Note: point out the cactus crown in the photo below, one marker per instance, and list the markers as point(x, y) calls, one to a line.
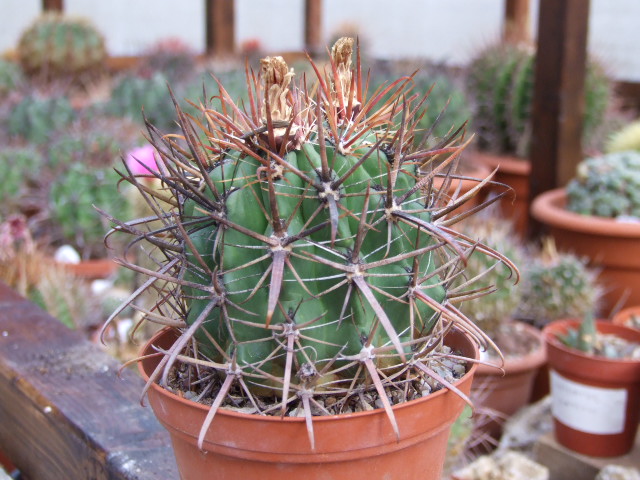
point(302, 256)
point(607, 186)
point(57, 45)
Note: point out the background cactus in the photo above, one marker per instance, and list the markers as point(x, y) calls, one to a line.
point(606, 186)
point(302, 251)
point(72, 198)
point(500, 86)
point(91, 148)
point(10, 76)
point(557, 285)
point(58, 45)
point(492, 312)
point(131, 94)
point(35, 118)
point(20, 167)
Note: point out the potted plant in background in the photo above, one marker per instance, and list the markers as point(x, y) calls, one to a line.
point(504, 381)
point(304, 275)
point(596, 216)
point(595, 385)
point(500, 87)
point(555, 285)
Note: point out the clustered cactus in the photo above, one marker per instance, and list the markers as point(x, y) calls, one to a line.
point(500, 84)
point(607, 186)
point(558, 285)
point(57, 45)
point(303, 256)
point(35, 117)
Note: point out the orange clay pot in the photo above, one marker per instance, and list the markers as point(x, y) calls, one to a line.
point(623, 316)
point(92, 269)
point(350, 446)
point(514, 172)
point(611, 246)
point(595, 401)
point(504, 395)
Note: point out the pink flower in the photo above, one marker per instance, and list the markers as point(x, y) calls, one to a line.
point(142, 160)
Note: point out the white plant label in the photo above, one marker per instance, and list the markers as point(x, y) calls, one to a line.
point(595, 410)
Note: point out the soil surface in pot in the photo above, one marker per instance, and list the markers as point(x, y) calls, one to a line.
point(360, 399)
point(513, 341)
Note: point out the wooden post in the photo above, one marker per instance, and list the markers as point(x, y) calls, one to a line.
point(53, 5)
point(558, 94)
point(313, 26)
point(220, 29)
point(517, 27)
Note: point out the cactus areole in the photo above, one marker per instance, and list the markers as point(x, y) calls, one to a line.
point(299, 251)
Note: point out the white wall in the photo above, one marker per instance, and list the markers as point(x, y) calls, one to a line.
point(450, 31)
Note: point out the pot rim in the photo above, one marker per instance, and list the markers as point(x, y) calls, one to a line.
point(293, 420)
point(549, 208)
point(551, 331)
point(517, 364)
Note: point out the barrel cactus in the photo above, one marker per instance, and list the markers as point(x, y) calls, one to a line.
point(20, 167)
point(627, 138)
point(303, 258)
point(10, 76)
point(58, 45)
point(607, 186)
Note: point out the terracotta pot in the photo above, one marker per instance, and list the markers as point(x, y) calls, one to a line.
point(508, 393)
point(612, 246)
point(92, 269)
point(514, 172)
point(351, 446)
point(623, 317)
point(595, 400)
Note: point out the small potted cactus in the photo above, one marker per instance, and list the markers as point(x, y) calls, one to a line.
point(504, 381)
point(597, 216)
point(302, 274)
point(595, 385)
point(76, 227)
point(500, 89)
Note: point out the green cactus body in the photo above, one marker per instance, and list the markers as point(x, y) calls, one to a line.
point(556, 286)
point(21, 166)
point(57, 45)
point(627, 138)
point(73, 196)
point(10, 76)
point(607, 186)
point(35, 119)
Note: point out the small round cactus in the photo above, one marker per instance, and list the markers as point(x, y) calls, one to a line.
point(557, 285)
point(73, 196)
point(35, 118)
point(58, 45)
point(607, 186)
point(20, 167)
